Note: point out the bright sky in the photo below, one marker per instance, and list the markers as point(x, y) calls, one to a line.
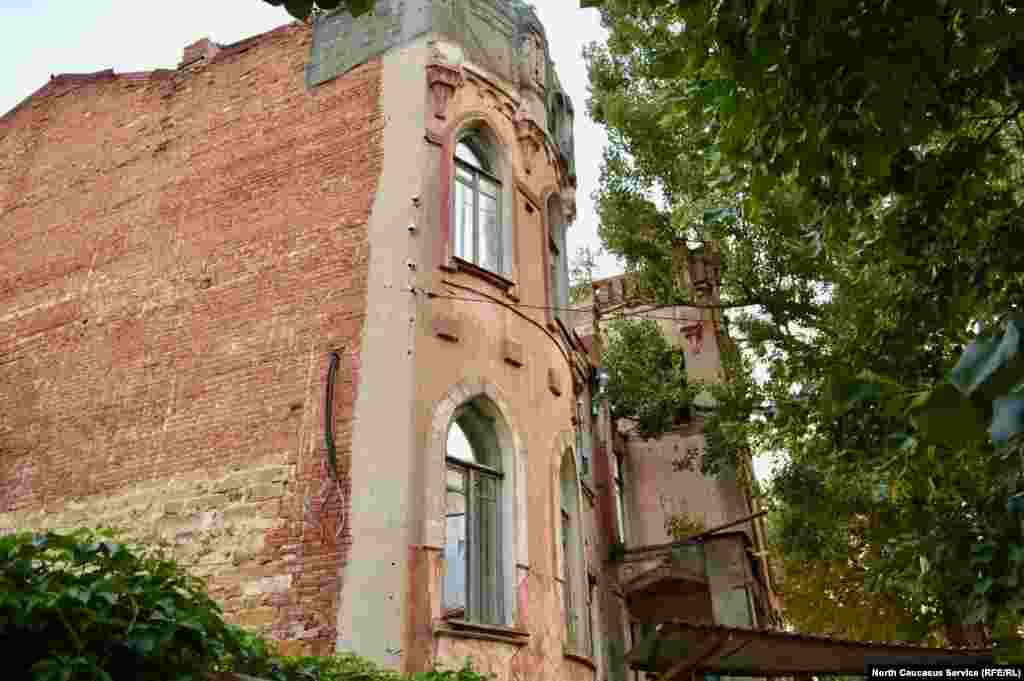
point(46, 38)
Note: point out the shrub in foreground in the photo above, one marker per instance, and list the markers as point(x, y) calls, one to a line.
point(83, 606)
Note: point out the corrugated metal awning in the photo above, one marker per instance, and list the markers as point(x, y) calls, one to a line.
point(677, 648)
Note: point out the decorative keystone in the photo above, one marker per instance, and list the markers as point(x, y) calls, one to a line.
point(554, 382)
point(447, 328)
point(512, 352)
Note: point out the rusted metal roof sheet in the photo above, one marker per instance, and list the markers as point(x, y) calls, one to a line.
point(677, 648)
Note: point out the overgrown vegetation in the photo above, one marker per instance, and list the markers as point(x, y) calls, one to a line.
point(647, 380)
point(683, 525)
point(83, 606)
point(859, 167)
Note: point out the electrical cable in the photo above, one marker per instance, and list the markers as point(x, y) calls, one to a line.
point(645, 315)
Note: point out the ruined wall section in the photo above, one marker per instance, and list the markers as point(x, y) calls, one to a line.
point(179, 252)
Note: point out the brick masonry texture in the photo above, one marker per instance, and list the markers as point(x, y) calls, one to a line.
point(179, 252)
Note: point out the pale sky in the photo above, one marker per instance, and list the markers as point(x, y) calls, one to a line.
point(43, 38)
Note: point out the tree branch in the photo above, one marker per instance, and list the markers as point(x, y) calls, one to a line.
point(999, 126)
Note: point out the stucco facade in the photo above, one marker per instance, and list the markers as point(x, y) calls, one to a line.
point(216, 279)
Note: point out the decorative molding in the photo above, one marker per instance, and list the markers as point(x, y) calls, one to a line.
point(512, 352)
point(481, 80)
point(531, 138)
point(443, 80)
point(533, 64)
point(447, 328)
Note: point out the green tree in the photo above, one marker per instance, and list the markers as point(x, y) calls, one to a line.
point(647, 380)
point(581, 272)
point(858, 165)
point(304, 9)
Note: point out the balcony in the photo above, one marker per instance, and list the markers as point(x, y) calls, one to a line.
point(705, 582)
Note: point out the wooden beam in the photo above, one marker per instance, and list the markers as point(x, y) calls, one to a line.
point(682, 667)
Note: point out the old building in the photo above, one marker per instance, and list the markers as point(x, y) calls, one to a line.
point(288, 308)
point(721, 578)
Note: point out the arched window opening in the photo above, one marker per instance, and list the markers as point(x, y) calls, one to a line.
point(577, 624)
point(473, 576)
point(558, 275)
point(477, 209)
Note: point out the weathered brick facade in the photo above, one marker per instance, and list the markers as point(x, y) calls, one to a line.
point(179, 252)
point(183, 251)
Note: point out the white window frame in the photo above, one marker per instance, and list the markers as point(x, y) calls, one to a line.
point(485, 170)
point(484, 597)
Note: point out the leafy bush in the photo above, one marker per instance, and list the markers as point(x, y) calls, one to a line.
point(684, 525)
point(83, 606)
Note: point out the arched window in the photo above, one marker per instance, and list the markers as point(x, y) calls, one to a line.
point(558, 275)
point(476, 214)
point(473, 544)
point(577, 623)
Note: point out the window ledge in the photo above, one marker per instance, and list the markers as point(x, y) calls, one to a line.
point(484, 632)
point(582, 659)
point(490, 277)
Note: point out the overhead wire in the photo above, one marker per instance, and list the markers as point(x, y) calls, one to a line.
point(577, 310)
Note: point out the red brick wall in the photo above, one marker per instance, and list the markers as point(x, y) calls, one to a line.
point(179, 252)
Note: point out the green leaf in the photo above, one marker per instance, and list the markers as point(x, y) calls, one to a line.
point(1016, 553)
point(359, 7)
point(1007, 419)
point(983, 553)
point(945, 416)
point(983, 585)
point(876, 163)
point(991, 366)
point(299, 9)
point(861, 391)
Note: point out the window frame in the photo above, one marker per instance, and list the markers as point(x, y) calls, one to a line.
point(558, 267)
point(476, 143)
point(578, 618)
point(620, 497)
point(481, 606)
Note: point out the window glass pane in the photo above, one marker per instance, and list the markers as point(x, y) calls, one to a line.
point(488, 551)
point(463, 220)
point(567, 588)
point(456, 480)
point(463, 152)
point(488, 187)
point(620, 511)
point(456, 551)
point(458, 444)
point(478, 429)
point(489, 248)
